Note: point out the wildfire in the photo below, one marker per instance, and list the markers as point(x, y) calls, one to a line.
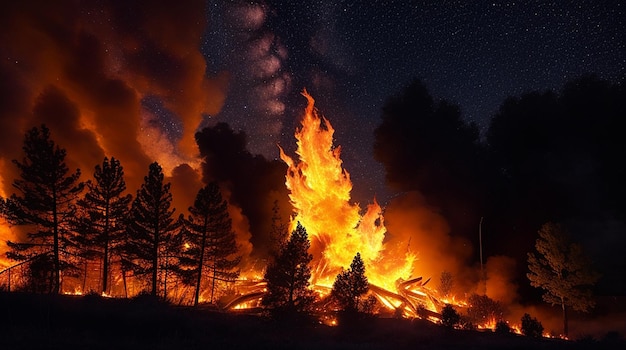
point(320, 193)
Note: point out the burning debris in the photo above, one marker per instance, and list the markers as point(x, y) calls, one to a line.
point(320, 194)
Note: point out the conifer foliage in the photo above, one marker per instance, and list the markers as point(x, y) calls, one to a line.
point(105, 208)
point(350, 285)
point(210, 241)
point(151, 227)
point(44, 204)
point(288, 276)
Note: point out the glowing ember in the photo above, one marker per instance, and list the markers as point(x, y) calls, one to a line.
point(320, 193)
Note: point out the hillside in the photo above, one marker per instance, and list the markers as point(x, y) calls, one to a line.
point(70, 322)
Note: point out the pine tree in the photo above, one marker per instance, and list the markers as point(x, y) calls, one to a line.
point(45, 204)
point(105, 210)
point(288, 276)
point(562, 270)
point(278, 233)
point(150, 229)
point(350, 285)
point(210, 240)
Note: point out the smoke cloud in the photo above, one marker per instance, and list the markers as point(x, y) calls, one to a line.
point(425, 232)
point(86, 71)
point(251, 182)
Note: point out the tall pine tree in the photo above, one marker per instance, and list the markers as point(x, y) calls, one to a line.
point(288, 276)
point(150, 229)
point(45, 204)
point(211, 243)
point(105, 209)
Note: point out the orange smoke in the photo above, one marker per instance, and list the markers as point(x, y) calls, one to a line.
point(320, 193)
point(84, 70)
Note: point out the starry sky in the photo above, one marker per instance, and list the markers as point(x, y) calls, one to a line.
point(352, 55)
point(136, 80)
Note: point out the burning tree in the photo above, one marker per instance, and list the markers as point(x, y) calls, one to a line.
point(45, 205)
point(288, 276)
point(484, 310)
point(211, 241)
point(562, 270)
point(445, 284)
point(350, 285)
point(151, 227)
point(105, 211)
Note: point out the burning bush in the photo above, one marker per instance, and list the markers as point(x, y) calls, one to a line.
point(483, 310)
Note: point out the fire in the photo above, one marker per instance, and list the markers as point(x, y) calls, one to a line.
point(320, 193)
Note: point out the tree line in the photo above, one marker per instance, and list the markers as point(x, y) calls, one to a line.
point(68, 223)
point(545, 156)
point(66, 228)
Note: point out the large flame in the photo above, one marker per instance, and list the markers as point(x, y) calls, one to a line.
point(320, 193)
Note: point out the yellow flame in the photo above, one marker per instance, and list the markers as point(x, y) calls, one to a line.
point(320, 193)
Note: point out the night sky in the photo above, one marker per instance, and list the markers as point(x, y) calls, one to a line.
point(351, 56)
point(137, 80)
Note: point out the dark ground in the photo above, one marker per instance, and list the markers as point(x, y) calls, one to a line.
point(67, 322)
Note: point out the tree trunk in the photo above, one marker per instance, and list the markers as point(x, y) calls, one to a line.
point(85, 277)
point(565, 327)
point(155, 260)
point(165, 277)
point(124, 280)
point(55, 233)
point(105, 265)
point(200, 263)
point(214, 275)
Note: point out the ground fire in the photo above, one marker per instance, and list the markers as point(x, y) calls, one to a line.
point(320, 193)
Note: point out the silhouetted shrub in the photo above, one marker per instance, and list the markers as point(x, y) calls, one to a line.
point(531, 327)
point(502, 327)
point(449, 316)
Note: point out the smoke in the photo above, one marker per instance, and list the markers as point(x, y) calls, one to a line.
point(251, 182)
point(86, 72)
point(425, 232)
point(500, 276)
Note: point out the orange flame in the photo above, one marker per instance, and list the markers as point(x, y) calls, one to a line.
point(320, 193)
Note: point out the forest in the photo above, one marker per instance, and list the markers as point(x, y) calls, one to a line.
point(549, 165)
